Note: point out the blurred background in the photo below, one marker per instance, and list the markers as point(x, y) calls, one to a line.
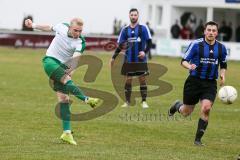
point(29, 126)
point(172, 23)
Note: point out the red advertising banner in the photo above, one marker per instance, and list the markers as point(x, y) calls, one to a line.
point(42, 40)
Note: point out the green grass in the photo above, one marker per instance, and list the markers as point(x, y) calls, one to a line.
point(29, 129)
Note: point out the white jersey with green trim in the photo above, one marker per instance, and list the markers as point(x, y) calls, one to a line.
point(63, 47)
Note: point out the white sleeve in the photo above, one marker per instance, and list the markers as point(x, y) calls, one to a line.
point(57, 27)
point(78, 48)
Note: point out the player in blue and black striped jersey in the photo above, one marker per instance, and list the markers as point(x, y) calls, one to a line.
point(136, 40)
point(202, 58)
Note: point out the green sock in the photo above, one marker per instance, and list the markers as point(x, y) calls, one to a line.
point(65, 115)
point(73, 89)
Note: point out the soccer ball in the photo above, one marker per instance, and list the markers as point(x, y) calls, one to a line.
point(227, 94)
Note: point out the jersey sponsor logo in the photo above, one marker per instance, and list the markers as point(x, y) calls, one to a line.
point(134, 39)
point(209, 61)
point(139, 39)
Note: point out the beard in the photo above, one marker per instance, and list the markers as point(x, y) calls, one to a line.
point(210, 38)
point(134, 21)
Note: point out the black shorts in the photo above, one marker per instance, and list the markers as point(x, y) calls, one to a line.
point(196, 89)
point(134, 69)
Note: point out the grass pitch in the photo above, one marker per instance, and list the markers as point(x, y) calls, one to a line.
point(30, 130)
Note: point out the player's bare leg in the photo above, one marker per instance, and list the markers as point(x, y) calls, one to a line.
point(206, 106)
point(183, 109)
point(186, 110)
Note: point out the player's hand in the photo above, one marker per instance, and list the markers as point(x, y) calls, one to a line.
point(111, 63)
point(222, 80)
point(28, 23)
point(141, 54)
point(192, 67)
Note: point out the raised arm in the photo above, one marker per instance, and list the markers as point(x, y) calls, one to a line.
point(30, 24)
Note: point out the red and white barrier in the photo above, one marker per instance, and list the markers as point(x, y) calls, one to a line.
point(43, 39)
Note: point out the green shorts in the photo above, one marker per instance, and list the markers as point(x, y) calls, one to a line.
point(54, 68)
point(55, 71)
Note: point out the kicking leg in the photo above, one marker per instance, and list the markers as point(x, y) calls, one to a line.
point(72, 88)
point(77, 92)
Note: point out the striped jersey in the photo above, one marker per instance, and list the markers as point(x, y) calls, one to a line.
point(136, 38)
point(206, 57)
point(63, 47)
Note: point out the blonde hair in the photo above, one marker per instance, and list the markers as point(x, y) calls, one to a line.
point(76, 21)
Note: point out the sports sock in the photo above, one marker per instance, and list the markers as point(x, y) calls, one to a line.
point(143, 90)
point(67, 131)
point(128, 91)
point(202, 125)
point(179, 106)
point(65, 115)
point(76, 91)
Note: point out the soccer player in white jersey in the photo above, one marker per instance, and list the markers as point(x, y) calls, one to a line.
point(61, 59)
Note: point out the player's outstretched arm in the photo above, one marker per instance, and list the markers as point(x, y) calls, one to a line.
point(30, 24)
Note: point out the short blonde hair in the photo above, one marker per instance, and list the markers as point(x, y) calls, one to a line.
point(76, 21)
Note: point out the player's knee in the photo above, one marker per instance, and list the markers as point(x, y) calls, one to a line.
point(129, 81)
point(206, 108)
point(66, 78)
point(63, 98)
point(142, 78)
